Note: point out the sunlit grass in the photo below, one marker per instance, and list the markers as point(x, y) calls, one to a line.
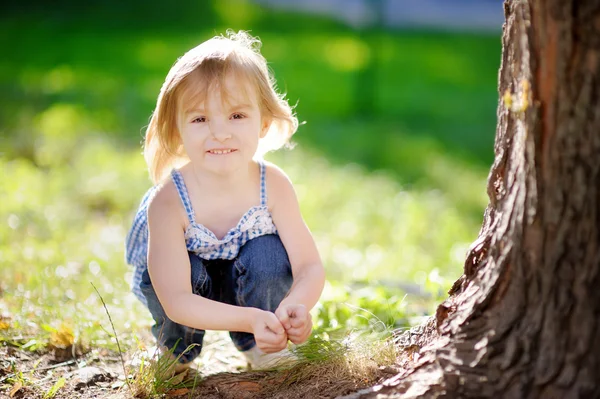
point(63, 229)
point(370, 228)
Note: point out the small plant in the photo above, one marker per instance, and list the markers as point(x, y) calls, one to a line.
point(55, 388)
point(157, 375)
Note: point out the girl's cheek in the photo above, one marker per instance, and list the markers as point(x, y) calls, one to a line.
point(195, 132)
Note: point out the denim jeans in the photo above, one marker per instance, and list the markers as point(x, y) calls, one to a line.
point(259, 277)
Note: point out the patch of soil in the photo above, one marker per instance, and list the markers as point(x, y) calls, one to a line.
point(278, 385)
point(30, 375)
point(219, 374)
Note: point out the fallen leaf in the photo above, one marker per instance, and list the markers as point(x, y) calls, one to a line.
point(63, 337)
point(18, 385)
point(4, 325)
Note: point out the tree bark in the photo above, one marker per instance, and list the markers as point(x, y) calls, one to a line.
point(523, 321)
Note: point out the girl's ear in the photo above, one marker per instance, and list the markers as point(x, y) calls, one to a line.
point(266, 124)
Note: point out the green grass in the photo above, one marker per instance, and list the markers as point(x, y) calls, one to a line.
point(390, 168)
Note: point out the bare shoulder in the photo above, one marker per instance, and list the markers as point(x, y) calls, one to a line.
point(279, 185)
point(165, 204)
point(276, 177)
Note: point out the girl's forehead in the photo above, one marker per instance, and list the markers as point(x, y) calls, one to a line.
point(227, 91)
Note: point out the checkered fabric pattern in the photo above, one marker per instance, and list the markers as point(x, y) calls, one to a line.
point(257, 221)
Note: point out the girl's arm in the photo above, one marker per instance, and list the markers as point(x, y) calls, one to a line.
point(307, 268)
point(170, 273)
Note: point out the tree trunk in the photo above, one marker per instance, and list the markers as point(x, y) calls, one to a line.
point(524, 319)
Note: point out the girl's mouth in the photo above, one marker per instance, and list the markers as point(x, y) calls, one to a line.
point(221, 151)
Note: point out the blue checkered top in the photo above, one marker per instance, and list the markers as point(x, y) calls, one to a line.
point(257, 221)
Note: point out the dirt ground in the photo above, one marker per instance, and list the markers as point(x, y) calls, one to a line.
point(220, 372)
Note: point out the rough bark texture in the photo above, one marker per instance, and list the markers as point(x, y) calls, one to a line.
point(524, 319)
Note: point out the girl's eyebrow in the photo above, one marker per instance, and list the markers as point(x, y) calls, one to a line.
point(240, 106)
point(234, 107)
point(194, 111)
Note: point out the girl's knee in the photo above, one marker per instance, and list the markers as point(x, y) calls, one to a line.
point(264, 274)
point(265, 254)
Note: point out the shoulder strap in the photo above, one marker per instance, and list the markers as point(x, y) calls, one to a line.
point(263, 184)
point(183, 194)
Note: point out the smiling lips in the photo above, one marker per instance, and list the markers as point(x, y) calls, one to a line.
point(223, 151)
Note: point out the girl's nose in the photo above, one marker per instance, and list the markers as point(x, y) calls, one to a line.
point(219, 131)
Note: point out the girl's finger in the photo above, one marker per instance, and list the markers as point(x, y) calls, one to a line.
point(271, 348)
point(300, 327)
point(283, 317)
point(295, 332)
point(300, 315)
point(273, 340)
point(274, 325)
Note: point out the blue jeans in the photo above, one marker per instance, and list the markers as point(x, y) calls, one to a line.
point(259, 277)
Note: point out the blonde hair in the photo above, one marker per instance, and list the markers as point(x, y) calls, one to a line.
point(204, 68)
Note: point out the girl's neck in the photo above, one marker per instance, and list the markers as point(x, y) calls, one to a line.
point(224, 184)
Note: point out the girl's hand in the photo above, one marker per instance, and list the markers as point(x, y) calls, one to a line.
point(269, 334)
point(296, 321)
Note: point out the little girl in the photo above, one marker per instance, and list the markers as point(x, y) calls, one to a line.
point(219, 242)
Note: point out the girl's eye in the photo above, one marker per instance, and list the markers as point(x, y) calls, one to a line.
point(199, 119)
point(237, 116)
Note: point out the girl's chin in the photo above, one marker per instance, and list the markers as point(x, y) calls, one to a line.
point(223, 166)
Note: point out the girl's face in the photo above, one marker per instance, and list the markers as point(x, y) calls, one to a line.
point(221, 136)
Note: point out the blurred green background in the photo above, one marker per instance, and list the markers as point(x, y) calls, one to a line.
point(390, 167)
